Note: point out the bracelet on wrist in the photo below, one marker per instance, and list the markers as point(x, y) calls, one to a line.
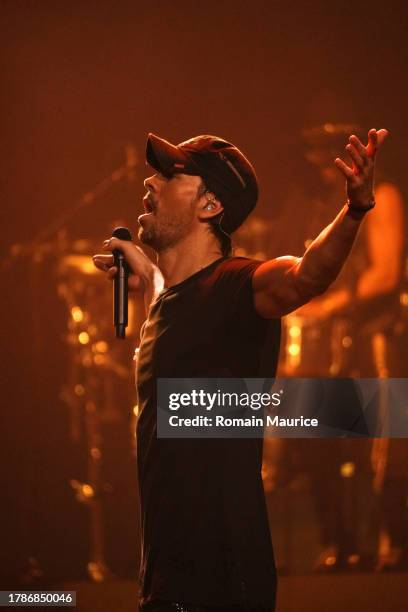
point(356, 211)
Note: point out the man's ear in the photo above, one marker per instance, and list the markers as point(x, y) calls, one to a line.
point(210, 206)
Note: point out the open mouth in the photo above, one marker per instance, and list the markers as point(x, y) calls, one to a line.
point(148, 204)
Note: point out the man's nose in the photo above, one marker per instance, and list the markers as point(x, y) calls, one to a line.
point(149, 183)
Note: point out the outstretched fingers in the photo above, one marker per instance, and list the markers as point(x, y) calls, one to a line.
point(372, 145)
point(361, 156)
point(356, 142)
point(359, 161)
point(375, 140)
point(381, 136)
point(344, 168)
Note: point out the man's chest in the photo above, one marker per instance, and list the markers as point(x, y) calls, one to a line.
point(183, 336)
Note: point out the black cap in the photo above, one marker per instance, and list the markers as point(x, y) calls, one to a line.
point(225, 170)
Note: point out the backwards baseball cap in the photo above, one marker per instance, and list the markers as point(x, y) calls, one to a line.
point(224, 168)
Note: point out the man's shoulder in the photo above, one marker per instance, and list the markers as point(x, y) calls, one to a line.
point(237, 264)
point(233, 273)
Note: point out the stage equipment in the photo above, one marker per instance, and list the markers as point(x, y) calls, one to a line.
point(312, 347)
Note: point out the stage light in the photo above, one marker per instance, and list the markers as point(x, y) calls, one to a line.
point(83, 337)
point(347, 469)
point(294, 331)
point(404, 298)
point(331, 560)
point(77, 314)
point(328, 128)
point(101, 346)
point(87, 491)
point(79, 390)
point(83, 491)
point(293, 349)
point(352, 560)
point(346, 341)
point(95, 453)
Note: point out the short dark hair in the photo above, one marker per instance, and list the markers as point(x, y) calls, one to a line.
point(214, 224)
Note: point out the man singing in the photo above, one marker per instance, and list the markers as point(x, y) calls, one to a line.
point(205, 533)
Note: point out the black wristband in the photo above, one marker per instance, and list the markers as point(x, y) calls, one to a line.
point(356, 211)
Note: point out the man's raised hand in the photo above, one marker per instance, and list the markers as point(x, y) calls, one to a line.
point(360, 175)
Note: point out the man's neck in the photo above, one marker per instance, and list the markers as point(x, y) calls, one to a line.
point(186, 258)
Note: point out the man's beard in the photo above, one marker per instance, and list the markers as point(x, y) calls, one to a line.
point(164, 231)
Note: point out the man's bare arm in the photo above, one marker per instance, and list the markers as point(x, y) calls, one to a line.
point(286, 283)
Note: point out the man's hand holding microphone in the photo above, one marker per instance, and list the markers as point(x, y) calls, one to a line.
point(142, 276)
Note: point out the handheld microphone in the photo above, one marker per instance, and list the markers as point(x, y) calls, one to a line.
point(120, 285)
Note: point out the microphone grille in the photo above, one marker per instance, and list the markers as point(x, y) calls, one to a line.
point(122, 233)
